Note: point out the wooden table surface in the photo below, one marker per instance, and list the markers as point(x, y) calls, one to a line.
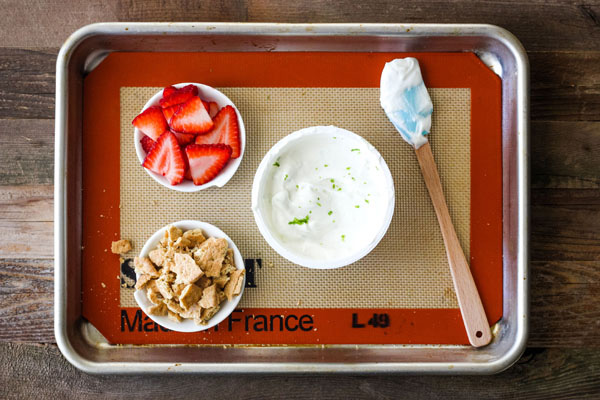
point(562, 39)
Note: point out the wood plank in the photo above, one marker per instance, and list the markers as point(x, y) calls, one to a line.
point(30, 160)
point(27, 83)
point(565, 304)
point(27, 203)
point(540, 374)
point(565, 154)
point(564, 228)
point(27, 317)
point(540, 25)
point(26, 300)
point(565, 85)
point(49, 23)
point(26, 239)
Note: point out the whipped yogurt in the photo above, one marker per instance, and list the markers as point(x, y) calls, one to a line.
point(323, 194)
point(405, 100)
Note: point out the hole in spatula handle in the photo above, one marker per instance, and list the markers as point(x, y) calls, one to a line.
point(479, 334)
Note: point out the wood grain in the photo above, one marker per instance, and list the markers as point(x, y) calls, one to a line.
point(27, 83)
point(565, 228)
point(563, 43)
point(27, 203)
point(539, 24)
point(565, 311)
point(471, 308)
point(565, 85)
point(30, 160)
point(565, 154)
point(540, 374)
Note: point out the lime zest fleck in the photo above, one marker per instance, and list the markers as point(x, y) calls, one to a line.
point(353, 178)
point(332, 180)
point(319, 204)
point(339, 189)
point(326, 165)
point(297, 221)
point(343, 237)
point(297, 187)
point(366, 201)
point(276, 164)
point(333, 186)
point(348, 168)
point(285, 177)
point(357, 206)
point(355, 150)
point(330, 212)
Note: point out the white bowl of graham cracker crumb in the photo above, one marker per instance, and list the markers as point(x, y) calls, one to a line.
point(202, 282)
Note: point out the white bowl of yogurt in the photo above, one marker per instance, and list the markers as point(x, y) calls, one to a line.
point(323, 197)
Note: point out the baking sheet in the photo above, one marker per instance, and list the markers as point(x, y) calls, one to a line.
point(404, 281)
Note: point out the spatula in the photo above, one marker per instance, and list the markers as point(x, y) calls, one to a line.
point(407, 104)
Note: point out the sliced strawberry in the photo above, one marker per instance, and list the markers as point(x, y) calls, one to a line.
point(211, 137)
point(207, 160)
point(192, 117)
point(169, 90)
point(228, 130)
point(147, 143)
point(166, 158)
point(170, 111)
point(180, 96)
point(213, 109)
point(184, 138)
point(151, 122)
point(205, 104)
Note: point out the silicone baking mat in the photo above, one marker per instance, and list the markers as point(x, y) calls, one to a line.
point(400, 293)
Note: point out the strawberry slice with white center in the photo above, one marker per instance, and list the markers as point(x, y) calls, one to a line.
point(226, 131)
point(180, 96)
point(151, 122)
point(192, 117)
point(147, 143)
point(211, 137)
point(166, 159)
point(206, 161)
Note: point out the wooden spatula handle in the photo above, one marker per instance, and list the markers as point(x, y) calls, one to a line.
point(469, 301)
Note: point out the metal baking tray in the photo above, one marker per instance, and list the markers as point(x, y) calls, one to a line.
point(86, 48)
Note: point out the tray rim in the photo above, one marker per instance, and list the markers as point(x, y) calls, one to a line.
point(269, 29)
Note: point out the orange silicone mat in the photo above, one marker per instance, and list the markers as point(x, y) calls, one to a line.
point(467, 99)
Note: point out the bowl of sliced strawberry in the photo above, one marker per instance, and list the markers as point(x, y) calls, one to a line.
point(189, 137)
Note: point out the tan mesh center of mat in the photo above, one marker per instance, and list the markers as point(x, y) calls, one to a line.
point(408, 269)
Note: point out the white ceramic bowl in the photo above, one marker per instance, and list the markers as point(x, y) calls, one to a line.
point(261, 210)
point(227, 307)
point(209, 94)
